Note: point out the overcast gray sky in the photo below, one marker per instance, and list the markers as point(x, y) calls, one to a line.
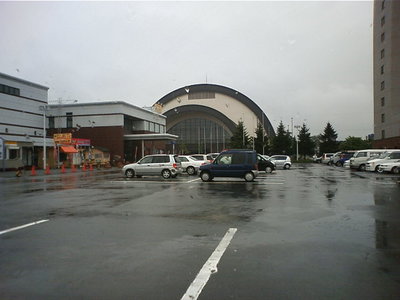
point(310, 61)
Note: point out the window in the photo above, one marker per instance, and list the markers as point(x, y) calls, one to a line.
point(383, 101)
point(382, 53)
point(239, 158)
point(157, 129)
point(201, 95)
point(160, 159)
point(13, 153)
point(383, 21)
point(69, 119)
point(51, 122)
point(382, 85)
point(382, 37)
point(383, 5)
point(383, 118)
point(146, 160)
point(383, 133)
point(382, 69)
point(225, 159)
point(5, 89)
point(151, 127)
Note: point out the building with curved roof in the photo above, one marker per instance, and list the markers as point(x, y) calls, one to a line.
point(204, 116)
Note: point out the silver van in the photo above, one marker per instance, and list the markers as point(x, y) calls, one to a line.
point(360, 158)
point(166, 165)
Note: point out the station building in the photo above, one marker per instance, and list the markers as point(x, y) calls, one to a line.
point(204, 116)
point(128, 132)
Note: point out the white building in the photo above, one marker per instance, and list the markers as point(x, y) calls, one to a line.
point(21, 122)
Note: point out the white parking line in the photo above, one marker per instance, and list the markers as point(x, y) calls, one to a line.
point(210, 267)
point(193, 180)
point(22, 226)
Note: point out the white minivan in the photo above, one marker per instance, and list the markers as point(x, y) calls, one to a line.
point(387, 157)
point(360, 158)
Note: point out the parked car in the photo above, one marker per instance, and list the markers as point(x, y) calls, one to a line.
point(231, 163)
point(189, 164)
point(166, 165)
point(340, 157)
point(203, 157)
point(360, 158)
point(281, 161)
point(386, 157)
point(345, 158)
point(393, 167)
point(265, 164)
point(326, 157)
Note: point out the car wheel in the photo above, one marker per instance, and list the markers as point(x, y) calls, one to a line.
point(166, 174)
point(129, 173)
point(361, 168)
point(268, 170)
point(380, 170)
point(287, 166)
point(377, 168)
point(249, 176)
point(339, 164)
point(205, 176)
point(396, 170)
point(190, 170)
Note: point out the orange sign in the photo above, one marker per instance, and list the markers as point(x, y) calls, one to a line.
point(62, 138)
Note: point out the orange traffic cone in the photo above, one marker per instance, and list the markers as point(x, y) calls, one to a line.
point(47, 172)
point(90, 167)
point(84, 168)
point(73, 168)
point(62, 168)
point(33, 172)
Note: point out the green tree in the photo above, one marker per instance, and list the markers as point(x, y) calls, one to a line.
point(281, 143)
point(261, 140)
point(328, 141)
point(306, 144)
point(240, 138)
point(354, 143)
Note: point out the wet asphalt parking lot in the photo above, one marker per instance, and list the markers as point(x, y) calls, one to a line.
point(312, 232)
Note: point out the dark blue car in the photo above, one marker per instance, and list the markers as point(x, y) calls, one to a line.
point(231, 163)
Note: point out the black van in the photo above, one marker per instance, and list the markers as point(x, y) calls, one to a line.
point(231, 163)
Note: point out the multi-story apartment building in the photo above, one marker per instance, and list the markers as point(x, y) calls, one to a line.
point(21, 122)
point(386, 42)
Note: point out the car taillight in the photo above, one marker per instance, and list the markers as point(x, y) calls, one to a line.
point(175, 166)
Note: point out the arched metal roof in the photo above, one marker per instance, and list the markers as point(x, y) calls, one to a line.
point(172, 113)
point(196, 88)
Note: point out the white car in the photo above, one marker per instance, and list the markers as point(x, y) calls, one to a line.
point(387, 157)
point(190, 165)
point(393, 167)
point(203, 157)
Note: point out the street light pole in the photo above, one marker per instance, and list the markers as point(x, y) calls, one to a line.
point(44, 108)
point(297, 142)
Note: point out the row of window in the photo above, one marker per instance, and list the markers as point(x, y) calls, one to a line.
point(201, 95)
point(5, 89)
point(154, 127)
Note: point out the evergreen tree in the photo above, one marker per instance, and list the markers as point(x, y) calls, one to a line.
point(328, 141)
point(306, 144)
point(261, 140)
point(281, 143)
point(240, 138)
